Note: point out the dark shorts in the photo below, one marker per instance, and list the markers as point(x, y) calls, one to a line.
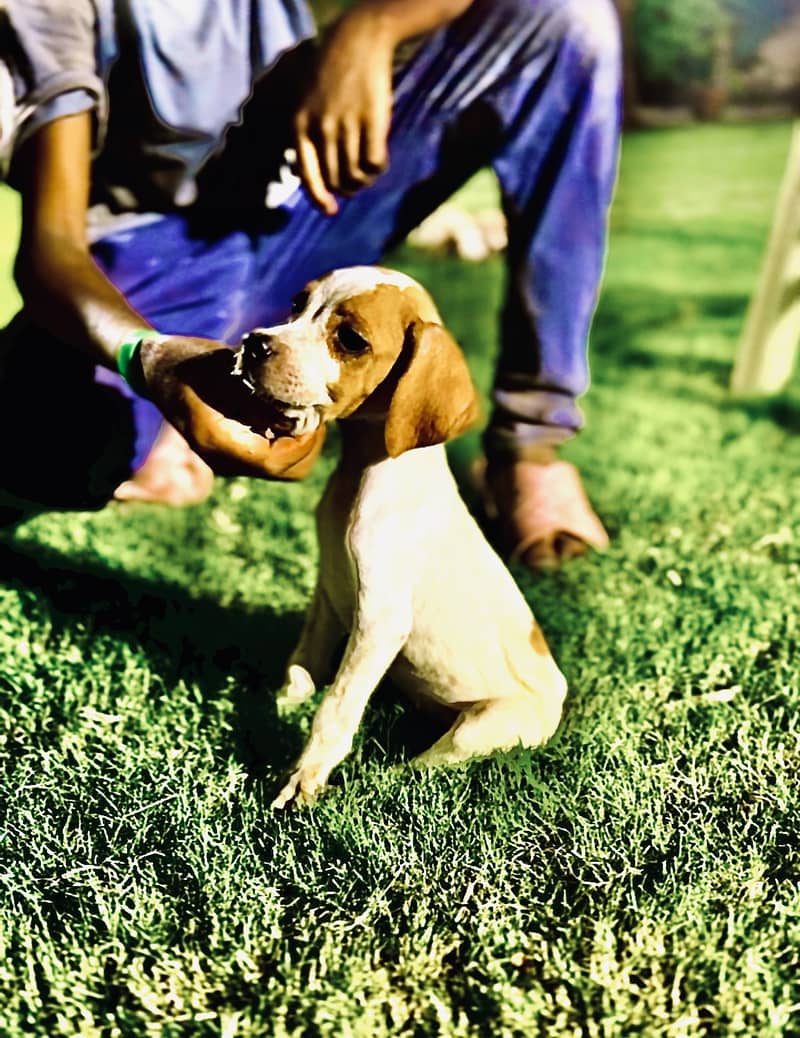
point(68, 441)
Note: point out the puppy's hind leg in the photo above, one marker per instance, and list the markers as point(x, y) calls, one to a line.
point(491, 725)
point(311, 664)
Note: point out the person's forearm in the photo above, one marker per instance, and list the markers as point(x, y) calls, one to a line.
point(67, 295)
point(399, 20)
point(62, 288)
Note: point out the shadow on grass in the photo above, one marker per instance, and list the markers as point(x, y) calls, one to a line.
point(624, 318)
point(192, 639)
point(184, 637)
point(781, 409)
point(623, 321)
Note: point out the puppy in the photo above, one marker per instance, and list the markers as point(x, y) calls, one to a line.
point(405, 571)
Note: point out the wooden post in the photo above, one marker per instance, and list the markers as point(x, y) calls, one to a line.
point(768, 347)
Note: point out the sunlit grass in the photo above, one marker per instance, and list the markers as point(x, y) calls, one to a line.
point(638, 876)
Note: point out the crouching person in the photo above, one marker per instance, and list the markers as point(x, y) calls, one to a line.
point(172, 203)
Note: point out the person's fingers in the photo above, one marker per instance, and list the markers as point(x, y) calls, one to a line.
point(353, 176)
point(311, 174)
point(222, 421)
point(302, 465)
point(233, 450)
point(374, 145)
point(329, 153)
point(243, 445)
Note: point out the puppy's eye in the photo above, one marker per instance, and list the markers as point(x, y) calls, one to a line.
point(299, 303)
point(349, 339)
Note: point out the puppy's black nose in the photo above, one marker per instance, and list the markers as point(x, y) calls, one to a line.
point(257, 345)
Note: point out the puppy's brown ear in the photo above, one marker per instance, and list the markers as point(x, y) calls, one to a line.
point(434, 399)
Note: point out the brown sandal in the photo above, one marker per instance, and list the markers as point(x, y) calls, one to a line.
point(541, 512)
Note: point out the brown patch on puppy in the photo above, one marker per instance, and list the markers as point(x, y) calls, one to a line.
point(380, 317)
point(434, 400)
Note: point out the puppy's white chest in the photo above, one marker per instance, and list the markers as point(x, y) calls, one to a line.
point(337, 573)
point(374, 526)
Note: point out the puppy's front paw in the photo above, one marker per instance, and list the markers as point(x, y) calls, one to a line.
point(301, 790)
point(298, 688)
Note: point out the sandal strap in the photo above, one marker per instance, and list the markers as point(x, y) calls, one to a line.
point(544, 500)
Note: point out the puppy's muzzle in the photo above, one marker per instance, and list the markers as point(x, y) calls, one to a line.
point(256, 347)
point(253, 366)
point(255, 351)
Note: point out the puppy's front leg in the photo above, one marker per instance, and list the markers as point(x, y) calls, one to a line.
point(378, 635)
point(311, 663)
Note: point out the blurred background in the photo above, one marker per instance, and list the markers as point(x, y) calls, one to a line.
point(711, 58)
point(699, 57)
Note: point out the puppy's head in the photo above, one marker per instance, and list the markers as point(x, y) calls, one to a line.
point(364, 342)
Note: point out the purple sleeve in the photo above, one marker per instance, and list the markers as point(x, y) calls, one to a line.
point(50, 48)
point(70, 103)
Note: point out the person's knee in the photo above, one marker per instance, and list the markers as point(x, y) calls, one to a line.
point(593, 29)
point(589, 27)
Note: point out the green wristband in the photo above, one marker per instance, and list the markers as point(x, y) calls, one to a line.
point(129, 363)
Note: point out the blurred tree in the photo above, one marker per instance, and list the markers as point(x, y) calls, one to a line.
point(682, 43)
point(674, 42)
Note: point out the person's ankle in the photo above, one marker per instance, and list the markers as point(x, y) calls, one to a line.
point(536, 454)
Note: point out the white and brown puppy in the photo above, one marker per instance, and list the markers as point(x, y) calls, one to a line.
point(404, 568)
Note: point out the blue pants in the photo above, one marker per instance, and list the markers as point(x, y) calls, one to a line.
point(531, 87)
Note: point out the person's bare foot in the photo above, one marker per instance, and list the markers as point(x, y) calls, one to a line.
point(542, 515)
point(172, 474)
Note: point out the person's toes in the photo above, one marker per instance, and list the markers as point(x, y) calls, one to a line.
point(542, 514)
point(540, 555)
point(552, 551)
point(172, 474)
point(130, 490)
point(176, 488)
point(568, 547)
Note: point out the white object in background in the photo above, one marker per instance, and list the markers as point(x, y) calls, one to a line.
point(281, 192)
point(768, 347)
point(471, 236)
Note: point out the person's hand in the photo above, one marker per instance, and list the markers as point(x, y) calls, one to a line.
point(342, 123)
point(190, 381)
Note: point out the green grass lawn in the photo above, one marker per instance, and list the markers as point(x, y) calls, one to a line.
point(637, 876)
